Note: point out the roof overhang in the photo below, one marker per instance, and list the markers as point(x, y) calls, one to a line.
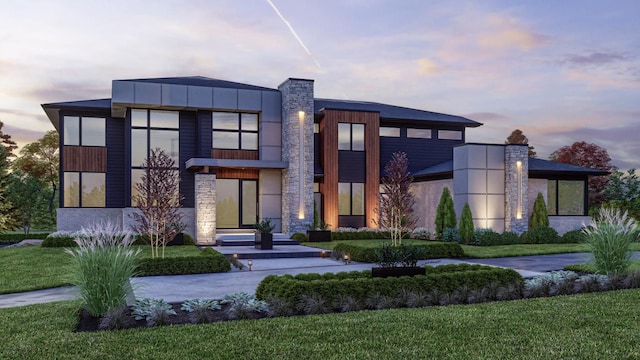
point(196, 163)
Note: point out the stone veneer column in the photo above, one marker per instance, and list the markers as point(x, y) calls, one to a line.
point(297, 95)
point(516, 188)
point(205, 196)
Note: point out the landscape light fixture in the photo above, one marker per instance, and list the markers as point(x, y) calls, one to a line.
point(323, 254)
point(347, 260)
point(250, 263)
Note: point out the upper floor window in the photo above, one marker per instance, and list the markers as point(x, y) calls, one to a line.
point(351, 137)
point(419, 133)
point(84, 131)
point(234, 131)
point(450, 134)
point(152, 129)
point(389, 131)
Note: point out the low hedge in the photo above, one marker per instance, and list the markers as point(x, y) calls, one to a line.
point(208, 261)
point(537, 235)
point(62, 241)
point(360, 285)
point(69, 241)
point(366, 254)
point(16, 238)
point(361, 235)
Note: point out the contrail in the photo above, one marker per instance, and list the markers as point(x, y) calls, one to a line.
point(293, 32)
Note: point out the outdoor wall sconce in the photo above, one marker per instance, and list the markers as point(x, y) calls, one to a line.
point(250, 264)
point(519, 171)
point(301, 167)
point(347, 260)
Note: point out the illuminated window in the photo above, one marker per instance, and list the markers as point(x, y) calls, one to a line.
point(234, 131)
point(389, 132)
point(350, 198)
point(84, 189)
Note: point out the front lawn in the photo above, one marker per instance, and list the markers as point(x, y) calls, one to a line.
point(29, 268)
point(483, 251)
point(588, 326)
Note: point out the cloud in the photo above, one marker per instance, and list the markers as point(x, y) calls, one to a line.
point(487, 117)
point(428, 67)
point(506, 32)
point(595, 58)
point(24, 136)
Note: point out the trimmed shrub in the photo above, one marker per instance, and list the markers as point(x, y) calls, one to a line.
point(16, 238)
point(445, 214)
point(301, 237)
point(341, 234)
point(451, 235)
point(187, 239)
point(539, 216)
point(421, 234)
point(540, 235)
point(510, 238)
point(362, 286)
point(487, 237)
point(368, 255)
point(466, 225)
point(574, 237)
point(208, 261)
point(63, 241)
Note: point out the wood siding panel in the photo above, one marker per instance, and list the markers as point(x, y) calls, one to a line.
point(84, 158)
point(237, 174)
point(331, 165)
point(235, 154)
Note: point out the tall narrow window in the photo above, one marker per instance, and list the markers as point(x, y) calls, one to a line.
point(351, 137)
point(350, 198)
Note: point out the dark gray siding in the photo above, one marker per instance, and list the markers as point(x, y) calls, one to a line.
point(317, 162)
point(188, 150)
point(116, 174)
point(351, 166)
point(204, 134)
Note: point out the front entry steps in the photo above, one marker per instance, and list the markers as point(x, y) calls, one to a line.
point(247, 239)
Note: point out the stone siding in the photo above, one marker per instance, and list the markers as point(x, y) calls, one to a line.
point(205, 211)
point(516, 188)
point(297, 95)
point(73, 219)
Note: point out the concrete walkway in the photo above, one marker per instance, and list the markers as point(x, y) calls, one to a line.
point(182, 287)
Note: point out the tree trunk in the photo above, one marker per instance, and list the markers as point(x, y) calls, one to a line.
point(53, 197)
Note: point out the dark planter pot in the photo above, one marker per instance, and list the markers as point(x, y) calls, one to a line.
point(397, 271)
point(319, 235)
point(177, 240)
point(264, 241)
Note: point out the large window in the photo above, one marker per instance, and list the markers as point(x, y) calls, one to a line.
point(84, 189)
point(234, 131)
point(151, 129)
point(351, 137)
point(566, 197)
point(350, 198)
point(84, 131)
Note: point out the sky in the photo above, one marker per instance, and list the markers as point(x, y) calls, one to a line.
point(561, 71)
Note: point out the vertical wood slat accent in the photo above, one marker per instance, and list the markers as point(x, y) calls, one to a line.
point(235, 154)
point(237, 174)
point(84, 158)
point(329, 140)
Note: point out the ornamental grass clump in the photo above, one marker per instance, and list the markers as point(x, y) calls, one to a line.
point(102, 264)
point(609, 238)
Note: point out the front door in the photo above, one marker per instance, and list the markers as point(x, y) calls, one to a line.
point(236, 203)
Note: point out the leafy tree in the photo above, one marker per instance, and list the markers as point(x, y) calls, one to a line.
point(41, 159)
point(539, 216)
point(590, 156)
point(7, 143)
point(158, 199)
point(396, 204)
point(518, 137)
point(623, 192)
point(445, 214)
point(466, 225)
point(7, 212)
point(24, 193)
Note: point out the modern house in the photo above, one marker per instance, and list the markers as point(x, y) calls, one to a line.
point(247, 152)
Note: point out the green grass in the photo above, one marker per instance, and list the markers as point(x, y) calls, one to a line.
point(589, 326)
point(484, 251)
point(33, 267)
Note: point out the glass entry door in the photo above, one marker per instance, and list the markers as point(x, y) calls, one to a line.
point(236, 203)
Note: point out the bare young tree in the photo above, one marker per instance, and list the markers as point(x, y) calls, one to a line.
point(158, 198)
point(396, 202)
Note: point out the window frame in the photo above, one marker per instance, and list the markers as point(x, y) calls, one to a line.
point(449, 131)
point(80, 136)
point(239, 130)
point(351, 143)
point(556, 211)
point(81, 190)
point(351, 198)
